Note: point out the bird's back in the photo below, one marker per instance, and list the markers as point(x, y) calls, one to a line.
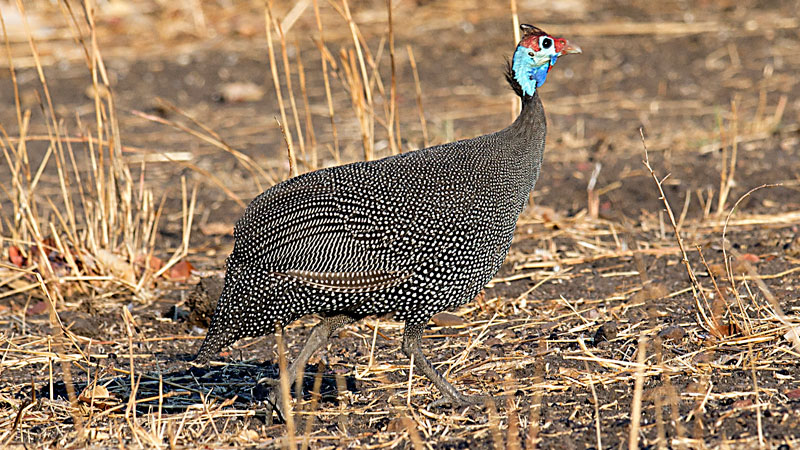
point(393, 214)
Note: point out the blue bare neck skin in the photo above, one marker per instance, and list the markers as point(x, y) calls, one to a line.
point(527, 73)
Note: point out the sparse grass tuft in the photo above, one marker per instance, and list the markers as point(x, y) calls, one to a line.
point(616, 319)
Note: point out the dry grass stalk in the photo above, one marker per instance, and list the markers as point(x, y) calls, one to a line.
point(364, 110)
point(249, 164)
point(371, 362)
point(596, 402)
point(410, 379)
point(269, 24)
point(358, 84)
point(213, 138)
point(659, 395)
point(115, 216)
point(418, 90)
point(593, 197)
point(341, 390)
point(286, 391)
point(636, 403)
point(494, 425)
point(287, 73)
point(188, 208)
point(313, 160)
point(728, 169)
point(390, 124)
point(687, 200)
point(778, 310)
point(674, 402)
point(756, 399)
point(719, 304)
point(697, 289)
point(55, 322)
point(516, 105)
point(291, 159)
point(327, 83)
point(512, 434)
point(315, 396)
point(393, 121)
point(13, 73)
point(356, 88)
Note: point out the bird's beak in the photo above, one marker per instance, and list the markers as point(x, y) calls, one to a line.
point(570, 48)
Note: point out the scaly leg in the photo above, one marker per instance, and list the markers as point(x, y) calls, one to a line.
point(412, 337)
point(319, 337)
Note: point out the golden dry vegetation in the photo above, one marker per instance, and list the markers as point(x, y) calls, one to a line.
point(650, 300)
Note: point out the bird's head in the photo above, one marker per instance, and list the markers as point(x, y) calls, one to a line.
point(534, 57)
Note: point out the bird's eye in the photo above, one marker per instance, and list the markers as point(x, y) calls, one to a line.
point(547, 42)
point(530, 54)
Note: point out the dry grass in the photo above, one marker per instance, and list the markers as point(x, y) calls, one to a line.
point(602, 329)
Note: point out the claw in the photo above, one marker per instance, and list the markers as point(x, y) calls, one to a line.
point(462, 400)
point(275, 403)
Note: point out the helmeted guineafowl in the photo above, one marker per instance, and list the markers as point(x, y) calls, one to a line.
point(411, 235)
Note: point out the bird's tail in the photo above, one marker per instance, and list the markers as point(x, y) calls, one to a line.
point(211, 347)
point(218, 336)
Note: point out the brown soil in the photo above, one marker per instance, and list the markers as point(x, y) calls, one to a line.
point(557, 335)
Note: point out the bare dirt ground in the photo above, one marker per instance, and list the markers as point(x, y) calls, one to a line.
point(595, 334)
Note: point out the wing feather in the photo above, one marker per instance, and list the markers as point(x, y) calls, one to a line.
point(359, 226)
point(348, 282)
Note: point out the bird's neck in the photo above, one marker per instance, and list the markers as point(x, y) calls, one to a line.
point(531, 121)
point(532, 110)
point(524, 147)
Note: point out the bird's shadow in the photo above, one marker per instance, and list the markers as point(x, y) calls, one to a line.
point(238, 384)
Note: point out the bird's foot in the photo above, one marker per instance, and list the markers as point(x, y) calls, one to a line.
point(275, 403)
point(462, 400)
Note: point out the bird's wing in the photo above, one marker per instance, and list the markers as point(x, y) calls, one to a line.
point(353, 228)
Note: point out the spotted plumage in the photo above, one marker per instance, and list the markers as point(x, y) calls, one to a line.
point(409, 235)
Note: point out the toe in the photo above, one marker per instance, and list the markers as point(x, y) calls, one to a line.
point(462, 400)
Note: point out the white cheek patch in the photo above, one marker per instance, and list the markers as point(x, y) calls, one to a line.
point(541, 58)
point(544, 55)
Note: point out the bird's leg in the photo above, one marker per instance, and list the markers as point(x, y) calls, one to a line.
point(319, 337)
point(412, 337)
